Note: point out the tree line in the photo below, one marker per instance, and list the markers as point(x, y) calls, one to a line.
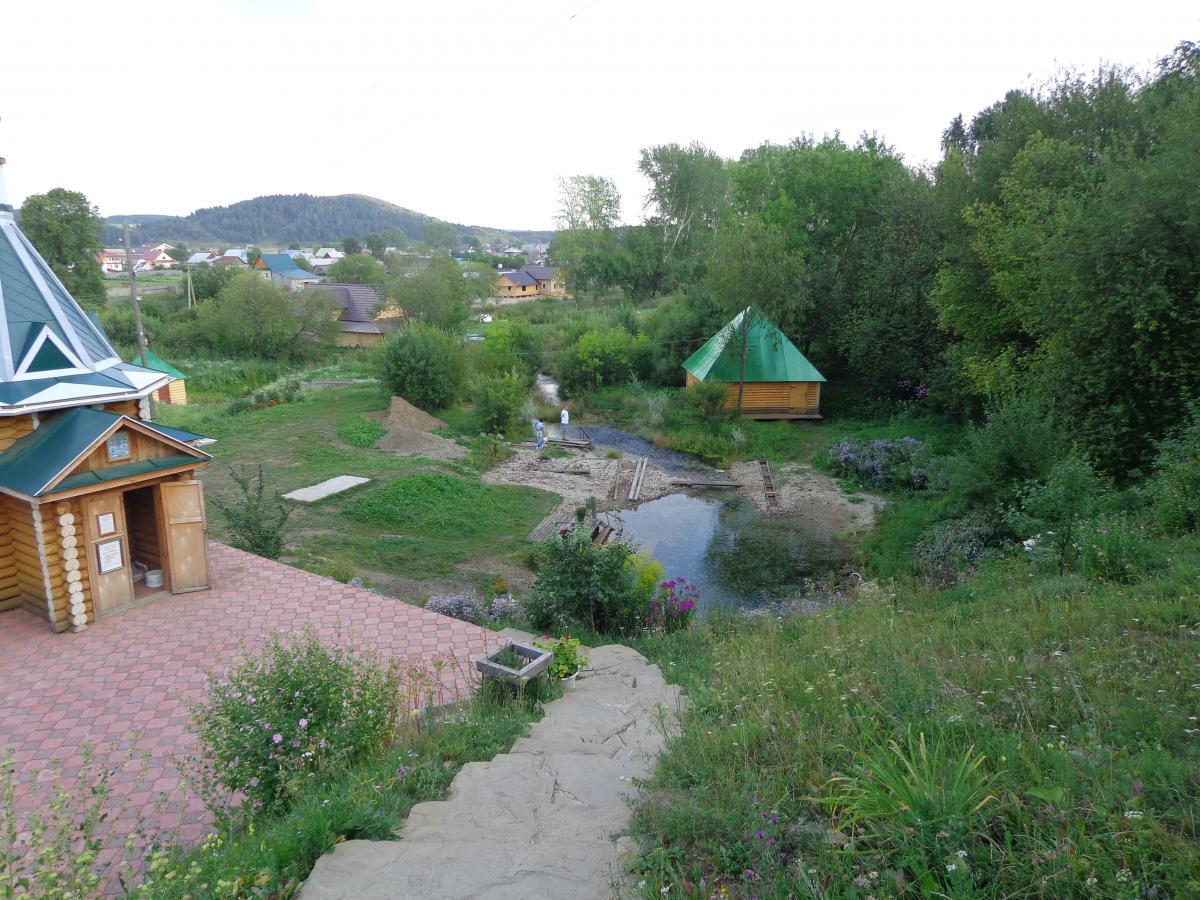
point(1052, 253)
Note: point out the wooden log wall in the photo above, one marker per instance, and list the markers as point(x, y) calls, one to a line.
point(10, 589)
point(141, 522)
point(27, 543)
point(72, 604)
point(124, 408)
point(12, 429)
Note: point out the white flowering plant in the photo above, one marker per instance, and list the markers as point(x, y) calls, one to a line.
point(284, 714)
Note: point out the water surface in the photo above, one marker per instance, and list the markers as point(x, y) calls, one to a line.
point(735, 555)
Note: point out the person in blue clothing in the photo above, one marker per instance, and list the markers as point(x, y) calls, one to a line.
point(539, 434)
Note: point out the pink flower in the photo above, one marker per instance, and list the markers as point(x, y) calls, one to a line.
point(277, 738)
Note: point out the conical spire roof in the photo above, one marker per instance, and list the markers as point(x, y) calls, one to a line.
point(52, 355)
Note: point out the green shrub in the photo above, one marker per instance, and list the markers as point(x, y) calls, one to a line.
point(580, 583)
point(707, 398)
point(277, 719)
point(498, 399)
point(423, 365)
point(256, 524)
point(1175, 487)
point(953, 548)
point(360, 432)
point(1114, 548)
point(602, 356)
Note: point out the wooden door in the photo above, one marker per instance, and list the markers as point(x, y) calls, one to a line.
point(186, 535)
point(108, 552)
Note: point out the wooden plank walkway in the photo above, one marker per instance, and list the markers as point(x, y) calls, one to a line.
point(768, 477)
point(701, 483)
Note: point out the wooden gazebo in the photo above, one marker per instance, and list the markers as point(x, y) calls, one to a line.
point(779, 382)
point(92, 493)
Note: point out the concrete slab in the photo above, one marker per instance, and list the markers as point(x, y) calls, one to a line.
point(542, 821)
point(326, 488)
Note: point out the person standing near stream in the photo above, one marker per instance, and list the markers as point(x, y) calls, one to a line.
point(539, 435)
point(564, 418)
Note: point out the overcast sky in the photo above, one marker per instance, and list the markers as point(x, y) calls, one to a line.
point(470, 111)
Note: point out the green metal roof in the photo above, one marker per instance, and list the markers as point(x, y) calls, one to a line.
point(770, 356)
point(32, 463)
point(158, 364)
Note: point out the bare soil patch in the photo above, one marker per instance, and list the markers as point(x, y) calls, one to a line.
point(809, 494)
point(579, 477)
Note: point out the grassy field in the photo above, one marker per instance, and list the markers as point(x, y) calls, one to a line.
point(405, 531)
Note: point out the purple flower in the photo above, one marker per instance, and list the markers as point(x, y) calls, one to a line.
point(253, 783)
point(760, 834)
point(304, 723)
point(277, 738)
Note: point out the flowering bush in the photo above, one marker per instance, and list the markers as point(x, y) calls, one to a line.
point(286, 713)
point(899, 463)
point(470, 607)
point(282, 390)
point(672, 607)
point(567, 658)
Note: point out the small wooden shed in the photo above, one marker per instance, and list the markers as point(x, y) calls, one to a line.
point(92, 493)
point(780, 383)
point(175, 392)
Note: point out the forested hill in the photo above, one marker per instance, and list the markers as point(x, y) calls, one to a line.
point(302, 218)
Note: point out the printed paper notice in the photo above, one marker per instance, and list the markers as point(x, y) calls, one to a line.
point(106, 523)
point(109, 555)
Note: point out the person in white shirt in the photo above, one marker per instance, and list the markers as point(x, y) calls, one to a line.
point(565, 419)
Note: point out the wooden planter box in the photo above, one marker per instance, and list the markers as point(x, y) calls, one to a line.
point(537, 662)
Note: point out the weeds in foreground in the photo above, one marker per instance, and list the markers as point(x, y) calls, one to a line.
point(1061, 705)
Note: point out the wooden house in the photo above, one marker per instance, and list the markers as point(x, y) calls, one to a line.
point(780, 383)
point(91, 493)
point(363, 320)
point(176, 391)
point(531, 281)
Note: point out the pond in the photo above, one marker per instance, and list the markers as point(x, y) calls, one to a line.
point(735, 555)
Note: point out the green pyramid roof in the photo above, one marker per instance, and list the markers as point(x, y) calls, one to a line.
point(770, 356)
point(158, 364)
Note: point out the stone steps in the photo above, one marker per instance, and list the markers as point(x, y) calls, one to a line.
point(541, 821)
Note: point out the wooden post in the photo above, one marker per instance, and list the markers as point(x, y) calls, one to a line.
point(137, 309)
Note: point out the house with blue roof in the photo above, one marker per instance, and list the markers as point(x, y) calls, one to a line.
point(93, 493)
point(283, 271)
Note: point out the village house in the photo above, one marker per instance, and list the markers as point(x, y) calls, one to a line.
point(283, 271)
point(202, 257)
point(112, 261)
point(94, 497)
point(751, 355)
point(329, 253)
point(364, 322)
point(154, 256)
point(530, 281)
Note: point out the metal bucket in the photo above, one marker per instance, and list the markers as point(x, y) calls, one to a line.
point(154, 578)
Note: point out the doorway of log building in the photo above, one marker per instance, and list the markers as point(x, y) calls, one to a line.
point(146, 557)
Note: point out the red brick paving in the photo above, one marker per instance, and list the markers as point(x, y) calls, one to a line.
point(129, 680)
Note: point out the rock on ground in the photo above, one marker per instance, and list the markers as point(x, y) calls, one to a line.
point(541, 821)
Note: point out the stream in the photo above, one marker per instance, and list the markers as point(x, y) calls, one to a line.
point(722, 544)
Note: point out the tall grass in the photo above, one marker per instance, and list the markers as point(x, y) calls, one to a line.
point(1059, 755)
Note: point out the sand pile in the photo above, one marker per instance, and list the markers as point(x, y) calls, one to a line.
point(402, 414)
point(411, 442)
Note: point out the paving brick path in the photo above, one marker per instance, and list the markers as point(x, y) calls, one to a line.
point(131, 678)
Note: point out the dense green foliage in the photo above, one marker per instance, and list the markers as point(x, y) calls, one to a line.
point(65, 229)
point(251, 317)
point(422, 364)
point(360, 432)
point(498, 399)
point(1051, 254)
point(581, 583)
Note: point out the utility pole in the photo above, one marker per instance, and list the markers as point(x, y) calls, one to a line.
point(137, 308)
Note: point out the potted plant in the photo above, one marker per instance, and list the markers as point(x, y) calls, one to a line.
point(568, 658)
point(515, 663)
